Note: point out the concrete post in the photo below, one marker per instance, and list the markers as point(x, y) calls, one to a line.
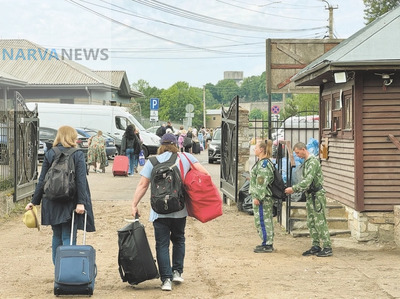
point(396, 220)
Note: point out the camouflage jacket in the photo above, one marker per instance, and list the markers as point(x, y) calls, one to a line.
point(262, 176)
point(311, 172)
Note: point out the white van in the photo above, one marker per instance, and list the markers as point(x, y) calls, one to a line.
point(112, 120)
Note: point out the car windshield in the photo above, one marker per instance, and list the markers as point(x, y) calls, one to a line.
point(217, 135)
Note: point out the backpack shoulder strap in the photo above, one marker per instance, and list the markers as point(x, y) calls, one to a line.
point(71, 150)
point(154, 161)
point(172, 159)
point(56, 150)
point(272, 164)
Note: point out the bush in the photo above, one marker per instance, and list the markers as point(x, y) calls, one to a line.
point(6, 184)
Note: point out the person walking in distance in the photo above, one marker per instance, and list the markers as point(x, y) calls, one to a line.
point(311, 184)
point(261, 177)
point(96, 155)
point(167, 227)
point(128, 145)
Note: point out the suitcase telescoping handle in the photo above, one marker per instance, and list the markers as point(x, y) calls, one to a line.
point(72, 228)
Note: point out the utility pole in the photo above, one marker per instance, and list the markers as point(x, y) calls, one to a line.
point(330, 8)
point(204, 106)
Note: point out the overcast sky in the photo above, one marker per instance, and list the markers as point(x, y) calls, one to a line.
point(167, 41)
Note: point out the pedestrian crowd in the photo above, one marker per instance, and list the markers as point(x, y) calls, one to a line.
point(170, 227)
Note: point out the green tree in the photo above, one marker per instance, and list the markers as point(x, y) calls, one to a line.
point(225, 91)
point(375, 8)
point(300, 103)
point(173, 102)
point(253, 89)
point(141, 106)
point(255, 114)
point(306, 102)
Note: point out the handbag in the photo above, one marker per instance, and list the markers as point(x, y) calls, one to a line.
point(203, 200)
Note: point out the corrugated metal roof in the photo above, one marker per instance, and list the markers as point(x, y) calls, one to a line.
point(115, 77)
point(7, 79)
point(120, 80)
point(378, 42)
point(40, 66)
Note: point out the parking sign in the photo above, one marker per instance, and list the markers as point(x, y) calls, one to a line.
point(154, 103)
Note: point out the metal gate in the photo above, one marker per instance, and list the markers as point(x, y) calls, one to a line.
point(19, 142)
point(229, 151)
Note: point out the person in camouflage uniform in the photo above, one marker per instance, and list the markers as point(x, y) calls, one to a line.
point(262, 176)
point(311, 184)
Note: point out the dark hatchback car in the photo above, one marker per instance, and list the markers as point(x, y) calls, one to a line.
point(47, 135)
point(111, 149)
point(214, 147)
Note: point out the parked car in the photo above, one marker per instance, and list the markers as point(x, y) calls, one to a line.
point(48, 135)
point(42, 150)
point(214, 147)
point(111, 149)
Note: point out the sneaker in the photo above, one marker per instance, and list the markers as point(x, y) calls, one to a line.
point(166, 285)
point(263, 248)
point(136, 170)
point(312, 251)
point(177, 277)
point(325, 252)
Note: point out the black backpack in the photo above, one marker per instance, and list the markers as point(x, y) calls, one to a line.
point(277, 187)
point(59, 182)
point(167, 194)
point(187, 142)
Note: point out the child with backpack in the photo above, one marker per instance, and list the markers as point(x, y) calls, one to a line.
point(71, 195)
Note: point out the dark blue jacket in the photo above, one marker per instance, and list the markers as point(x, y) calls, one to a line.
point(55, 212)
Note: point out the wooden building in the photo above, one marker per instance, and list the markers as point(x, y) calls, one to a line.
point(359, 84)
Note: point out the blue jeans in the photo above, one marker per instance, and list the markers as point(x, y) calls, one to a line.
point(132, 157)
point(62, 236)
point(166, 229)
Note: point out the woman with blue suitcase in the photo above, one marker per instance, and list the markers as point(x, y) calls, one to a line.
point(58, 213)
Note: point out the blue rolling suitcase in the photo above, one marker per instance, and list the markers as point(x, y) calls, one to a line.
point(75, 267)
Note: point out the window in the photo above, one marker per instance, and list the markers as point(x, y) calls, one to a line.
point(122, 122)
point(348, 112)
point(337, 114)
point(328, 113)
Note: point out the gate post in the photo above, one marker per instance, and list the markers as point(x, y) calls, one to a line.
point(243, 144)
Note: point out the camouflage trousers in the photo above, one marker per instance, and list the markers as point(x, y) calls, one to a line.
point(263, 220)
point(316, 220)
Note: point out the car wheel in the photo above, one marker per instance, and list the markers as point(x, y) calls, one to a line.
point(145, 151)
point(210, 161)
point(118, 150)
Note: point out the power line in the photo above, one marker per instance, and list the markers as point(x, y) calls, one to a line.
point(269, 14)
point(210, 20)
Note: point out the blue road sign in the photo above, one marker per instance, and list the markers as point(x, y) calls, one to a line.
point(154, 103)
